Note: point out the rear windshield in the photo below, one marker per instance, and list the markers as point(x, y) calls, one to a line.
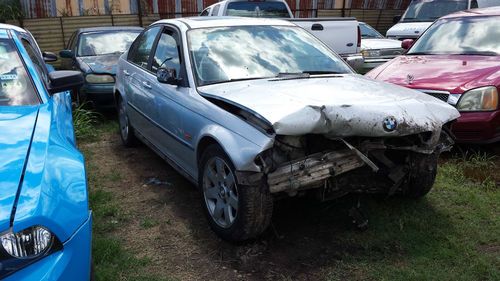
point(15, 85)
point(258, 9)
point(430, 10)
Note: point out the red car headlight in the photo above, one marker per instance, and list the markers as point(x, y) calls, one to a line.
point(479, 99)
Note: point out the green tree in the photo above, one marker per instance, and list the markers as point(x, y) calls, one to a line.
point(10, 10)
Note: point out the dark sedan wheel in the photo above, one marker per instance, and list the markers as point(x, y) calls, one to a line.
point(235, 212)
point(126, 131)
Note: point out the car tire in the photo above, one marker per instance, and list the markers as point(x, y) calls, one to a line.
point(423, 172)
point(127, 133)
point(235, 212)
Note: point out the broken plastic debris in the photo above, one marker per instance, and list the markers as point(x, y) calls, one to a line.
point(156, 181)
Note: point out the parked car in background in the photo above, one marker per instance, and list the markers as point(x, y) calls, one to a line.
point(340, 34)
point(457, 60)
point(45, 221)
point(376, 49)
point(95, 51)
point(253, 110)
point(421, 13)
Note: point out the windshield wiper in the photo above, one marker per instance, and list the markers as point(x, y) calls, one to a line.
point(479, 53)
point(319, 72)
point(231, 80)
point(420, 53)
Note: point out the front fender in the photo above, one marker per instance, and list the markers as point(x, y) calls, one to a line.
point(54, 190)
point(241, 151)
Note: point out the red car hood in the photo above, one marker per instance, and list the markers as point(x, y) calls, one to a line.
point(453, 73)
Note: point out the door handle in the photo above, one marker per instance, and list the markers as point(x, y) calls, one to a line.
point(146, 85)
point(126, 72)
point(317, 26)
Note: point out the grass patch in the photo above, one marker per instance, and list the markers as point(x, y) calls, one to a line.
point(112, 261)
point(84, 121)
point(452, 234)
point(149, 223)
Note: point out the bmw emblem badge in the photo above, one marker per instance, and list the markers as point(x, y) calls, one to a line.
point(390, 124)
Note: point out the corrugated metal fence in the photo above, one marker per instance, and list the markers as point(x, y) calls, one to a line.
point(53, 33)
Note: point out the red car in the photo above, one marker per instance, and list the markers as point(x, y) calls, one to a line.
point(456, 60)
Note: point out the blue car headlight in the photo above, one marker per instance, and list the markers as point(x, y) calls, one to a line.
point(22, 248)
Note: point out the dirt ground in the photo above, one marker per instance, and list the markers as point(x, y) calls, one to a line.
point(182, 246)
point(168, 226)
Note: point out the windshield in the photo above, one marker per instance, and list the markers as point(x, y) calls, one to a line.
point(15, 85)
point(430, 10)
point(464, 36)
point(367, 32)
point(224, 54)
point(105, 43)
point(258, 9)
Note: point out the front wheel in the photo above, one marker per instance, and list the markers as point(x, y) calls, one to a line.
point(235, 212)
point(126, 130)
point(423, 170)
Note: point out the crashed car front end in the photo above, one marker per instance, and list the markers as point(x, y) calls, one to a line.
point(325, 135)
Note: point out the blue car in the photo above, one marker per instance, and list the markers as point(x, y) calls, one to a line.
point(45, 221)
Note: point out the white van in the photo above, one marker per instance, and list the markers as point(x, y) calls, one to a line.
point(420, 14)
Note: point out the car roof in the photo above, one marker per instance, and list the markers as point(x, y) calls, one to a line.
point(491, 11)
point(200, 22)
point(11, 27)
point(109, 28)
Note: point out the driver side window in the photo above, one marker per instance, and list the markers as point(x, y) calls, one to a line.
point(167, 53)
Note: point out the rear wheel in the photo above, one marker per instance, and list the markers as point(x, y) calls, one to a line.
point(423, 172)
point(126, 130)
point(235, 212)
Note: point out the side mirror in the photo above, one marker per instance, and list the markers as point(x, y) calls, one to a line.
point(407, 43)
point(396, 19)
point(167, 76)
point(64, 80)
point(49, 57)
point(68, 54)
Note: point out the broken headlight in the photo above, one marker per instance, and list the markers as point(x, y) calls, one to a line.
point(21, 248)
point(479, 99)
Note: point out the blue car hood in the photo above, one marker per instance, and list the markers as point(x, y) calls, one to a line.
point(16, 127)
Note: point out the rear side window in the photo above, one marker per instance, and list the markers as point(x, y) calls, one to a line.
point(205, 12)
point(16, 87)
point(141, 48)
point(215, 11)
point(258, 9)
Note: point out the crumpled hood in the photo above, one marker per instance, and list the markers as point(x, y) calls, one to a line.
point(16, 127)
point(99, 64)
point(345, 105)
point(380, 44)
point(409, 29)
point(453, 73)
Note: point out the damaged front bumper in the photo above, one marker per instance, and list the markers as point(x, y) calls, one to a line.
point(371, 166)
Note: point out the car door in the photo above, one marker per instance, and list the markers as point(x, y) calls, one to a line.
point(170, 100)
point(140, 99)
